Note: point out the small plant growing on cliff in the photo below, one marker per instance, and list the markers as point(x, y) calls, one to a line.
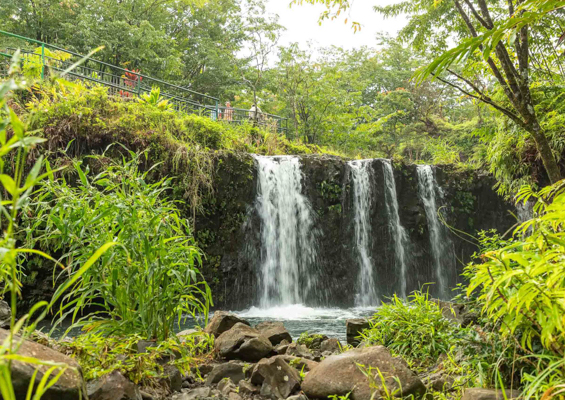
point(147, 283)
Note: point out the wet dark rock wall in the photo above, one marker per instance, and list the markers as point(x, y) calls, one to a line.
point(229, 231)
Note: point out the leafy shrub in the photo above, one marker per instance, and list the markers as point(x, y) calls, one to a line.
point(310, 340)
point(415, 330)
point(16, 192)
point(141, 286)
point(522, 287)
point(99, 355)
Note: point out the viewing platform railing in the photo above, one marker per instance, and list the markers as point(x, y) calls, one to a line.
point(44, 58)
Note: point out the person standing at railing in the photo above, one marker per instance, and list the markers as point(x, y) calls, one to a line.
point(254, 113)
point(228, 113)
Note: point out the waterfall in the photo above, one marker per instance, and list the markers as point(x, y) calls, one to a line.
point(439, 241)
point(288, 248)
point(398, 232)
point(362, 201)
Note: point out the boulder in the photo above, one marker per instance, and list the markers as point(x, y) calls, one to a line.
point(438, 382)
point(243, 343)
point(313, 341)
point(172, 378)
point(194, 394)
point(143, 345)
point(146, 396)
point(340, 374)
point(281, 348)
point(353, 328)
point(203, 369)
point(221, 322)
point(274, 331)
point(300, 396)
point(488, 394)
point(299, 363)
point(234, 396)
point(5, 315)
point(456, 313)
point(113, 386)
point(230, 370)
point(299, 350)
point(277, 379)
point(226, 386)
point(189, 332)
point(330, 345)
point(247, 387)
point(70, 385)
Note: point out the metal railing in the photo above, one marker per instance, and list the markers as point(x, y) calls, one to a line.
point(45, 58)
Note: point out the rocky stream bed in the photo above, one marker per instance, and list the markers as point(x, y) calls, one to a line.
point(260, 362)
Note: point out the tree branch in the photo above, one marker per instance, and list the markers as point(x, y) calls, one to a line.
point(484, 99)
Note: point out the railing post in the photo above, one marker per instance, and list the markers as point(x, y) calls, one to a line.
point(42, 61)
point(138, 85)
point(217, 110)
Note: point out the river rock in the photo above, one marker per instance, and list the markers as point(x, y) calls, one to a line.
point(282, 347)
point(113, 386)
point(221, 322)
point(340, 374)
point(314, 341)
point(488, 394)
point(5, 314)
point(225, 386)
point(274, 331)
point(299, 363)
point(456, 313)
point(438, 382)
point(69, 386)
point(353, 328)
point(277, 379)
point(229, 370)
point(331, 345)
point(182, 335)
point(234, 396)
point(144, 345)
point(172, 378)
point(243, 343)
point(247, 387)
point(299, 350)
point(194, 394)
point(300, 396)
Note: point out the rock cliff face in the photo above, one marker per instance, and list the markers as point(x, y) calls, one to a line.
point(230, 229)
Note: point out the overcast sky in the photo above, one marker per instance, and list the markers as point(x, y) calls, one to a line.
point(302, 26)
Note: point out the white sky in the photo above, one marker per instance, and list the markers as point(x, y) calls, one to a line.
point(302, 26)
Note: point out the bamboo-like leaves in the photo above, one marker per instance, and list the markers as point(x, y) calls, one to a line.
point(528, 13)
point(522, 284)
point(146, 282)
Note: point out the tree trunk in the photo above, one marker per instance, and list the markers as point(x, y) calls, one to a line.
point(545, 152)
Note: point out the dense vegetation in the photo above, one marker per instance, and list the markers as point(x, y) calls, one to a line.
point(360, 102)
point(126, 265)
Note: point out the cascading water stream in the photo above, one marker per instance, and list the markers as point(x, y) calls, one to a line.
point(439, 241)
point(398, 231)
point(288, 248)
point(362, 202)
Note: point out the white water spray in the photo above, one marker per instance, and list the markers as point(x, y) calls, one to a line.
point(398, 231)
point(439, 241)
point(288, 248)
point(362, 201)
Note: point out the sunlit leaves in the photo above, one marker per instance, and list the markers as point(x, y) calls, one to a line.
point(523, 283)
